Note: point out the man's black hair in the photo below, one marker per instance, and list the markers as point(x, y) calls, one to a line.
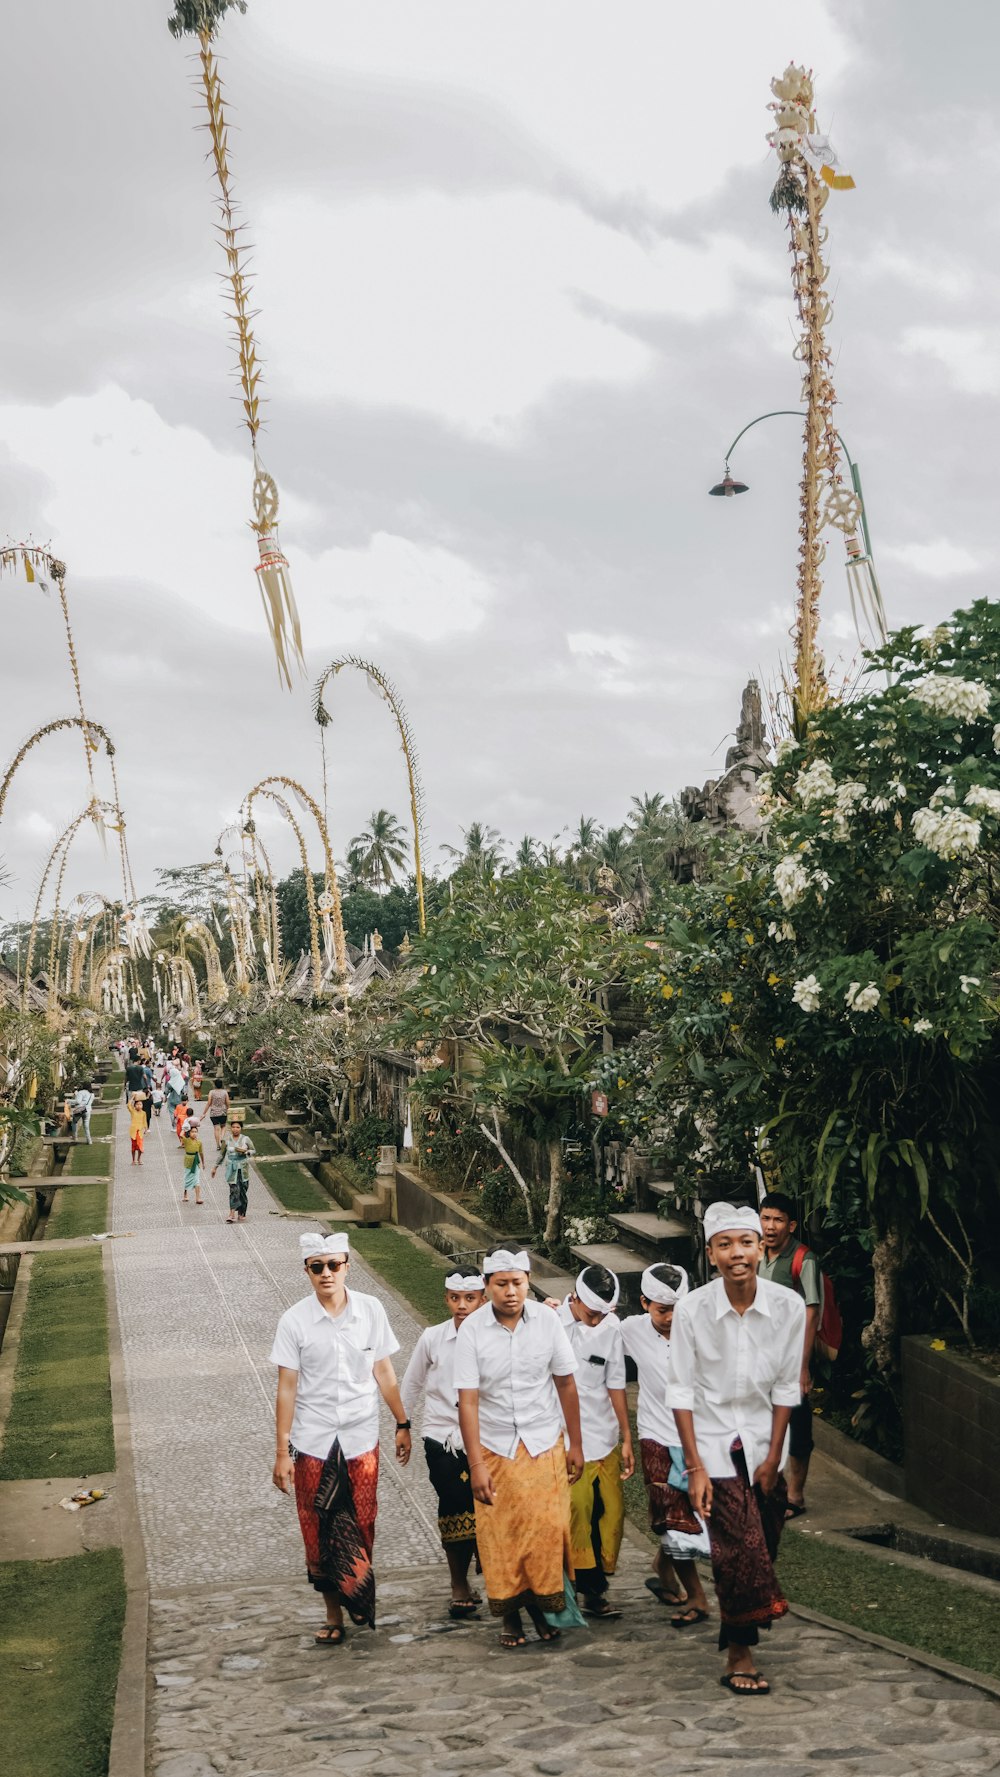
point(599, 1279)
point(667, 1274)
point(784, 1204)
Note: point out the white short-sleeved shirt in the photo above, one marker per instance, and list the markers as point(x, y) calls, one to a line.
point(431, 1372)
point(600, 1365)
point(731, 1369)
point(337, 1395)
point(513, 1372)
point(650, 1352)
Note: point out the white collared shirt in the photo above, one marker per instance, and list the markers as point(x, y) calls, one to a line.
point(337, 1395)
point(431, 1372)
point(650, 1353)
point(730, 1369)
point(513, 1371)
point(600, 1365)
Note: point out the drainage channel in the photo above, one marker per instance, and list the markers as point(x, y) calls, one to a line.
point(946, 1549)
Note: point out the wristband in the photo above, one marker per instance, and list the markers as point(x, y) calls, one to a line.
point(402, 1425)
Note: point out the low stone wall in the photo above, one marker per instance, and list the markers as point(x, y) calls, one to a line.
point(951, 1420)
point(420, 1206)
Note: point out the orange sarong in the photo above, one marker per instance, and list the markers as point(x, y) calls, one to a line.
point(523, 1537)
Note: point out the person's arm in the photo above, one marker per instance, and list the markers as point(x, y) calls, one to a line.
point(619, 1403)
point(680, 1400)
point(220, 1156)
point(283, 1473)
point(786, 1391)
point(388, 1388)
point(569, 1401)
point(766, 1472)
point(812, 1291)
point(468, 1421)
point(415, 1377)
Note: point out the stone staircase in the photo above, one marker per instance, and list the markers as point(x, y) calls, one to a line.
point(655, 1231)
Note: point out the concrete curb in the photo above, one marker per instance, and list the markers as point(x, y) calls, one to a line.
point(979, 1681)
point(12, 1337)
point(128, 1735)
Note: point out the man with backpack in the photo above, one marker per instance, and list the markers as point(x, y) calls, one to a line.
point(787, 1260)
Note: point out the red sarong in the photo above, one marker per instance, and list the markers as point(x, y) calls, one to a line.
point(348, 1582)
point(744, 1528)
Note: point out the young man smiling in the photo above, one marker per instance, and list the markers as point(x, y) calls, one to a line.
point(334, 1356)
point(514, 1373)
point(736, 1360)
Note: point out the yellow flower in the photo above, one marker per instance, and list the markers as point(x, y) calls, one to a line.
point(773, 979)
point(621, 1084)
point(779, 1042)
point(729, 900)
point(667, 991)
point(726, 998)
point(938, 1345)
point(731, 923)
point(748, 937)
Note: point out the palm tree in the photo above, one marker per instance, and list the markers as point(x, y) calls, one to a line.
point(380, 851)
point(648, 814)
point(586, 836)
point(526, 855)
point(481, 852)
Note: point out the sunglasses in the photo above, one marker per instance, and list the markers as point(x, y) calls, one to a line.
point(318, 1266)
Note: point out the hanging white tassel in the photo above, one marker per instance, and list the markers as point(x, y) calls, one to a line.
point(867, 607)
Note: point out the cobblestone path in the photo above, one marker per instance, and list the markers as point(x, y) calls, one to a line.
point(237, 1687)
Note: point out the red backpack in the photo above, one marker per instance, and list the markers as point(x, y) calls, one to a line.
point(830, 1331)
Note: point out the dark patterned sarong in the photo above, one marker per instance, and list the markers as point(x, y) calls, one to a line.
point(338, 1529)
point(451, 1481)
point(744, 1528)
point(669, 1507)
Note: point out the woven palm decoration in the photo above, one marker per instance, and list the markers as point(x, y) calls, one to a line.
point(201, 19)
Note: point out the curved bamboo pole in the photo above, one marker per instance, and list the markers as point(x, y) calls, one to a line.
point(311, 906)
point(215, 980)
point(266, 895)
point(113, 956)
point(95, 810)
point(89, 728)
point(388, 692)
point(331, 892)
point(34, 557)
point(83, 946)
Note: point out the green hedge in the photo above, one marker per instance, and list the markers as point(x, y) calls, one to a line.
point(60, 1647)
point(60, 1412)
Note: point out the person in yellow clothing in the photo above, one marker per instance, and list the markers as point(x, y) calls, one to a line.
point(194, 1160)
point(137, 1125)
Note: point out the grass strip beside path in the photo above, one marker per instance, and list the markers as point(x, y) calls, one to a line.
point(416, 1272)
point(82, 1209)
point(60, 1412)
point(266, 1142)
point(60, 1645)
point(86, 1158)
point(938, 1615)
point(294, 1187)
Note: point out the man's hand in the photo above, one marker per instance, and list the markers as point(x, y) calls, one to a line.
point(766, 1476)
point(628, 1459)
point(482, 1484)
point(574, 1463)
point(805, 1382)
point(404, 1444)
point(700, 1491)
point(283, 1473)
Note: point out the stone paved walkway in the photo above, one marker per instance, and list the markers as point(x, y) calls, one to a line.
point(239, 1689)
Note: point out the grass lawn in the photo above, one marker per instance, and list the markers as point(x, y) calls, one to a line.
point(60, 1644)
point(417, 1273)
point(89, 1158)
point(294, 1187)
point(82, 1209)
point(942, 1617)
point(60, 1413)
point(265, 1142)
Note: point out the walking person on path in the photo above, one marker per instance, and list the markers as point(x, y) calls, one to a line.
point(234, 1154)
point(83, 1104)
point(194, 1160)
point(135, 1075)
point(514, 1371)
point(216, 1109)
point(781, 1264)
point(137, 1125)
point(334, 1352)
point(197, 1075)
point(176, 1086)
point(431, 1373)
point(736, 1360)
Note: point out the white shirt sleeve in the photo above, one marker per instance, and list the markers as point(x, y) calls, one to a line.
point(680, 1389)
point(466, 1358)
point(562, 1362)
point(786, 1390)
point(286, 1348)
point(415, 1378)
point(614, 1369)
point(384, 1341)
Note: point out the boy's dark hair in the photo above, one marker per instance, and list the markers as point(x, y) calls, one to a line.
point(219, 1080)
point(784, 1204)
point(668, 1274)
point(599, 1279)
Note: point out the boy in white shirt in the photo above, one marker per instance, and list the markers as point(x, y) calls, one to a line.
point(597, 1497)
point(431, 1372)
point(736, 1358)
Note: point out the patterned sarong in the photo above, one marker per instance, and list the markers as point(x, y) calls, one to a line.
point(339, 1540)
point(597, 1520)
point(745, 1528)
point(450, 1479)
point(523, 1537)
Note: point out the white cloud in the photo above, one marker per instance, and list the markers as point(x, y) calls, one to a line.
point(938, 560)
point(587, 645)
point(970, 355)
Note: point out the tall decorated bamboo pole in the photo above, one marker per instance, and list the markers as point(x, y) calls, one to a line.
point(201, 19)
point(329, 902)
point(809, 170)
point(41, 566)
point(384, 688)
point(312, 908)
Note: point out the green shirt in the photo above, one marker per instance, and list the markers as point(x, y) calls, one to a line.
point(779, 1270)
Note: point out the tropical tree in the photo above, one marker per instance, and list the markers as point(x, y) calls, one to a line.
point(526, 855)
point(378, 852)
point(481, 851)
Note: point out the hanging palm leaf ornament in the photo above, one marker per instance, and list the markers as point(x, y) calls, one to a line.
point(201, 19)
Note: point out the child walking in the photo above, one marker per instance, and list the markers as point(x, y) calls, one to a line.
point(234, 1152)
point(157, 1100)
point(194, 1160)
point(182, 1114)
point(431, 1372)
point(137, 1125)
point(682, 1535)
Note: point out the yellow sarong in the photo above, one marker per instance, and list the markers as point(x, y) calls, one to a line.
point(597, 1505)
point(523, 1537)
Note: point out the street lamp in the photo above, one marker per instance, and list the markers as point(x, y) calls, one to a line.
point(728, 486)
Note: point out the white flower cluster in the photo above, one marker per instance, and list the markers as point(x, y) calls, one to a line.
point(996, 738)
point(807, 993)
point(945, 695)
point(968, 982)
point(981, 796)
point(579, 1230)
point(849, 796)
point(787, 744)
point(815, 783)
point(862, 999)
point(947, 832)
point(782, 930)
point(923, 1027)
point(944, 793)
point(791, 879)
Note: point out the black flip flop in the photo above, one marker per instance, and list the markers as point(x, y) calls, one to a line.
point(687, 1618)
point(600, 1609)
point(461, 1609)
point(661, 1595)
point(331, 1635)
point(793, 1510)
point(758, 1688)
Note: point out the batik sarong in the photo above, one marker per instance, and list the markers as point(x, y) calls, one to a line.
point(339, 1538)
point(596, 1521)
point(449, 1476)
point(744, 1527)
point(681, 1532)
point(523, 1537)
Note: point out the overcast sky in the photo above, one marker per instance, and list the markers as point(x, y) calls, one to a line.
point(519, 285)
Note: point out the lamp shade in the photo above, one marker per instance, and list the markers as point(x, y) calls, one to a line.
point(727, 487)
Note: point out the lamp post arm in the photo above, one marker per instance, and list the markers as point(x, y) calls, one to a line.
point(795, 413)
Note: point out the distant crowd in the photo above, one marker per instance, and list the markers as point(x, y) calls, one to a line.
point(155, 1077)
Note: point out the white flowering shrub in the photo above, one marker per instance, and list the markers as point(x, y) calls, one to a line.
point(945, 694)
point(947, 832)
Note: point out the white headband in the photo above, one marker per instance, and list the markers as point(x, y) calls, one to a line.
point(456, 1280)
point(311, 1244)
point(504, 1260)
point(591, 1299)
point(655, 1290)
point(727, 1218)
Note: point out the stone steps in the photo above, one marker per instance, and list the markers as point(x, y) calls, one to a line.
point(653, 1236)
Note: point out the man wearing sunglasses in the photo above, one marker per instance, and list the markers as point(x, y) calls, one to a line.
point(334, 1356)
